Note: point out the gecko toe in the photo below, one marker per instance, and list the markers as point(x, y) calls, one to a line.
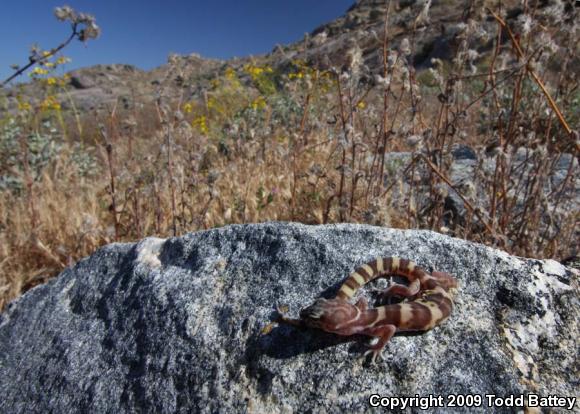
point(376, 354)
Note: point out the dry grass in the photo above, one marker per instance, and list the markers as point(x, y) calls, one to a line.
point(315, 148)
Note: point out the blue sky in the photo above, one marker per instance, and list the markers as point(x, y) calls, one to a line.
point(144, 32)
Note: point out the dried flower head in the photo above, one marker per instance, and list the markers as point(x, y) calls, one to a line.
point(414, 141)
point(392, 57)
point(472, 55)
point(89, 29)
point(355, 59)
point(405, 47)
point(65, 13)
point(524, 24)
point(423, 16)
point(385, 82)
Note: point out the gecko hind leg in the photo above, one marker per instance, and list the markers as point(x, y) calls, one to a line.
point(445, 279)
point(409, 292)
point(383, 333)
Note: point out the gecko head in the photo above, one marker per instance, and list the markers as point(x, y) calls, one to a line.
point(329, 314)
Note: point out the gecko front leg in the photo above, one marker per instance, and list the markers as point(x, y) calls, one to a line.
point(283, 319)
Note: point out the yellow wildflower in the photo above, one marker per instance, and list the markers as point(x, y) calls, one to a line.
point(23, 106)
point(50, 102)
point(258, 103)
point(201, 123)
point(211, 102)
point(45, 105)
point(51, 81)
point(230, 73)
point(361, 105)
point(63, 81)
point(38, 71)
point(255, 71)
point(187, 108)
point(298, 75)
point(62, 60)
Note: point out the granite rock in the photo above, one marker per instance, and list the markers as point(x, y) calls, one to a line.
point(181, 325)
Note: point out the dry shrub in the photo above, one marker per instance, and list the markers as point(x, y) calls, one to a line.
point(316, 147)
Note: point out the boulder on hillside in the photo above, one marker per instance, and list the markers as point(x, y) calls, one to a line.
point(181, 325)
point(79, 80)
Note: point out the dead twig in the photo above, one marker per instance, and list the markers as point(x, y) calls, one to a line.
point(520, 54)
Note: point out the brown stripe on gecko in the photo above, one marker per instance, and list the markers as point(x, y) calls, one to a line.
point(440, 299)
point(366, 271)
point(420, 316)
point(380, 267)
point(352, 283)
point(388, 263)
point(393, 313)
point(432, 308)
point(374, 267)
point(409, 316)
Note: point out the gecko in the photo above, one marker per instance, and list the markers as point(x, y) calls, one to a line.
point(429, 301)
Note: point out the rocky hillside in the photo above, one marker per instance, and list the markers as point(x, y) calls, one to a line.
point(100, 86)
point(432, 27)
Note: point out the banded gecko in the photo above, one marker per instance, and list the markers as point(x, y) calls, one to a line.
point(429, 302)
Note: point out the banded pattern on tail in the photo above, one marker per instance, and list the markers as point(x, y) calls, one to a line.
point(380, 267)
point(432, 308)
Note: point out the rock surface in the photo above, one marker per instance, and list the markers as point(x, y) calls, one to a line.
point(177, 325)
